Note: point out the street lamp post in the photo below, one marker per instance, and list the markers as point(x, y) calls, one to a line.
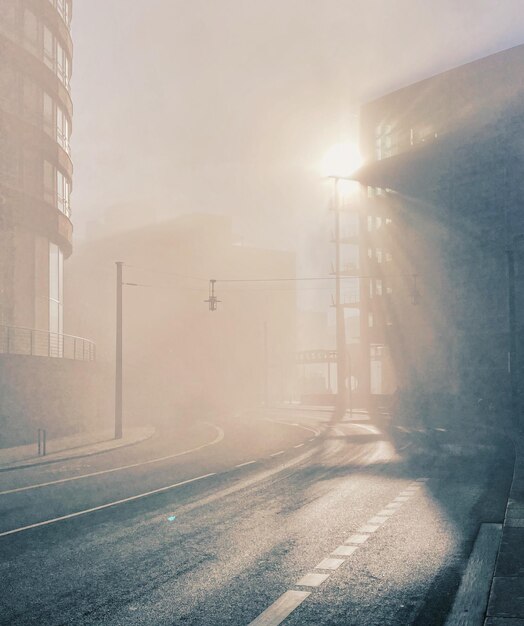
point(339, 163)
point(339, 310)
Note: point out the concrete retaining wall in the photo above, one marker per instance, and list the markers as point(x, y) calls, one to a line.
point(61, 395)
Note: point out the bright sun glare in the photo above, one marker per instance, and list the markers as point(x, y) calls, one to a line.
point(342, 160)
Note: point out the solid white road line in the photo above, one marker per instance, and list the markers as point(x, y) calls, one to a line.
point(280, 609)
point(120, 468)
point(105, 506)
point(312, 580)
point(246, 463)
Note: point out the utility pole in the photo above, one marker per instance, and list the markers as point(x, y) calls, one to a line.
point(118, 371)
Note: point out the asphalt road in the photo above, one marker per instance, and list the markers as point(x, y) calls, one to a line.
point(247, 520)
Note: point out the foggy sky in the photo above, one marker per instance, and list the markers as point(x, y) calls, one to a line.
point(229, 105)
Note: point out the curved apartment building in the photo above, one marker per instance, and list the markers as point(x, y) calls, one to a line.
point(35, 163)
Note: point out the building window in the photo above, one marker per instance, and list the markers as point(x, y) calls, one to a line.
point(378, 287)
point(62, 65)
point(56, 281)
point(383, 141)
point(62, 193)
point(49, 49)
point(62, 129)
point(64, 8)
point(370, 320)
point(370, 223)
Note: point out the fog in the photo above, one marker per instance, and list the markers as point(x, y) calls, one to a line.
point(229, 107)
point(267, 301)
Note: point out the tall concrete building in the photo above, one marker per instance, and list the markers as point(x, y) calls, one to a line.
point(443, 218)
point(35, 163)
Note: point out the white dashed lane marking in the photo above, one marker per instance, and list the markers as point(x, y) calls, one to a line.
point(289, 601)
point(344, 550)
point(330, 564)
point(280, 609)
point(368, 528)
point(277, 453)
point(312, 580)
point(357, 539)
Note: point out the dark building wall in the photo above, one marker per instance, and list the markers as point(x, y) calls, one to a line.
point(457, 191)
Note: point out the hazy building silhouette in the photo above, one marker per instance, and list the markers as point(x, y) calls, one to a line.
point(178, 354)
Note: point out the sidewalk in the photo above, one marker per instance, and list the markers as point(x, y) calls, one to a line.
point(74, 446)
point(506, 600)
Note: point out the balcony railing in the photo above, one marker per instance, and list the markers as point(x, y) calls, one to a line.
point(32, 342)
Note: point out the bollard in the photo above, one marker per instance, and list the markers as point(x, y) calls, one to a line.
point(42, 441)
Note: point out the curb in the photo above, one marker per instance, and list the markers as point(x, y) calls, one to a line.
point(9, 468)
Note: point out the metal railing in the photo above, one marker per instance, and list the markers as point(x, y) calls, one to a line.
point(32, 342)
